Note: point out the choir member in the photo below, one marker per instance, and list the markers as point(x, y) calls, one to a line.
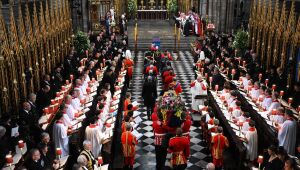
point(287, 133)
point(251, 141)
point(219, 143)
point(274, 104)
point(94, 134)
point(129, 142)
point(199, 91)
point(87, 153)
point(69, 107)
point(267, 100)
point(279, 117)
point(75, 99)
point(179, 146)
point(78, 86)
point(254, 93)
point(237, 110)
point(60, 135)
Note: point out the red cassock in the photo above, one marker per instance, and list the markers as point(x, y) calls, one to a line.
point(180, 149)
point(165, 74)
point(126, 103)
point(128, 143)
point(155, 71)
point(159, 133)
point(219, 143)
point(211, 121)
point(129, 66)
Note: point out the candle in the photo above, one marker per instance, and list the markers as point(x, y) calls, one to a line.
point(274, 87)
point(67, 82)
point(299, 109)
point(260, 159)
point(210, 79)
point(266, 82)
point(46, 110)
point(58, 151)
point(290, 100)
point(52, 101)
point(21, 144)
point(240, 123)
point(9, 159)
point(218, 60)
point(230, 109)
point(281, 93)
point(244, 63)
point(71, 77)
point(57, 94)
point(87, 52)
point(274, 111)
point(222, 64)
point(88, 90)
point(100, 160)
point(222, 97)
point(216, 87)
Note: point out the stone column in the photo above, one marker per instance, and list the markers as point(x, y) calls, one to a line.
point(85, 14)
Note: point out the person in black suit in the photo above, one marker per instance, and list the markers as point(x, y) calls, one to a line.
point(46, 159)
point(149, 94)
point(34, 162)
point(4, 146)
point(45, 140)
point(43, 99)
point(57, 79)
point(68, 66)
point(28, 119)
point(46, 81)
point(31, 100)
point(217, 78)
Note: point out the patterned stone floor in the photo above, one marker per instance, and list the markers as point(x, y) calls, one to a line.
point(145, 157)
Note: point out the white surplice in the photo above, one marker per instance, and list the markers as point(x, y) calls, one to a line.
point(60, 137)
point(251, 145)
point(254, 93)
point(198, 90)
point(94, 135)
point(66, 119)
point(70, 111)
point(266, 103)
point(287, 136)
point(76, 104)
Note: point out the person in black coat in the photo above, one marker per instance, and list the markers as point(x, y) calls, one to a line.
point(43, 98)
point(34, 162)
point(149, 94)
point(217, 78)
point(273, 162)
point(46, 159)
point(68, 66)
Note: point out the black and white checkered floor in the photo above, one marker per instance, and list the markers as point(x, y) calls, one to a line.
point(145, 157)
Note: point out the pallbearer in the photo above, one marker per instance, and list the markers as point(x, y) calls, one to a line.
point(160, 150)
point(179, 146)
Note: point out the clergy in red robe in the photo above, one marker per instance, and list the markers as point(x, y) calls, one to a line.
point(153, 68)
point(219, 143)
point(128, 141)
point(128, 63)
point(179, 146)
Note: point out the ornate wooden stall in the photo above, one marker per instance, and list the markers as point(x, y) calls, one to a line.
point(275, 35)
point(31, 47)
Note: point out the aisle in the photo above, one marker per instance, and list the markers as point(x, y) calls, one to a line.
point(145, 157)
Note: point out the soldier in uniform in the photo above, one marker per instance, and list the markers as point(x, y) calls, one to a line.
point(179, 146)
point(160, 150)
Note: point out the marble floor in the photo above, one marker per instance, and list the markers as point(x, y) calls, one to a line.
point(145, 157)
